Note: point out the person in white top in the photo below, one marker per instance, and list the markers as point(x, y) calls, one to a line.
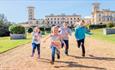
point(36, 39)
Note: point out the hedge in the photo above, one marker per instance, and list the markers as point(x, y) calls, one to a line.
point(30, 30)
point(97, 26)
point(17, 29)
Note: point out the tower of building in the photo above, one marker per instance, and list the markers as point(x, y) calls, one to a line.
point(30, 12)
point(95, 7)
point(31, 16)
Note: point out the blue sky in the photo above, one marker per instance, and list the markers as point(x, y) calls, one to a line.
point(16, 10)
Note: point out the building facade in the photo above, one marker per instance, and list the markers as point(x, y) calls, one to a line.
point(59, 19)
point(103, 16)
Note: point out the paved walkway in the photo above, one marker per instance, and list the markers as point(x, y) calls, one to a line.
point(100, 55)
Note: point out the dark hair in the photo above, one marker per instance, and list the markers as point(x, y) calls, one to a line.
point(83, 21)
point(58, 26)
point(78, 19)
point(53, 25)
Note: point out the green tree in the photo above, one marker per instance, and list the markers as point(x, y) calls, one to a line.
point(30, 30)
point(109, 25)
point(4, 25)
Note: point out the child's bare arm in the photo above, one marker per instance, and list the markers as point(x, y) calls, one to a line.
point(46, 38)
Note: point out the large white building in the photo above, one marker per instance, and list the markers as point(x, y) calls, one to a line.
point(59, 19)
point(97, 16)
point(102, 15)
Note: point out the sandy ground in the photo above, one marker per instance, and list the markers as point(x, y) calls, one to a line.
point(100, 55)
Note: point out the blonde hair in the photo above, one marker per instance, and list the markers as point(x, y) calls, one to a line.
point(53, 28)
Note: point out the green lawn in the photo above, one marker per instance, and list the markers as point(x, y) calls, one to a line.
point(98, 34)
point(6, 43)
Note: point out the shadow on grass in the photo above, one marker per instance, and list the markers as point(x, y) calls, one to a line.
point(94, 57)
point(71, 64)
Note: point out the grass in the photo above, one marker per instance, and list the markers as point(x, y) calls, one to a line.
point(98, 34)
point(7, 44)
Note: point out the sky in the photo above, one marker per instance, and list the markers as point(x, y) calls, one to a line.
point(16, 10)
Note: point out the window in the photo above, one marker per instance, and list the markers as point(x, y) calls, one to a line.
point(108, 18)
point(54, 22)
point(51, 22)
point(71, 22)
point(99, 19)
point(54, 18)
point(30, 22)
point(74, 18)
point(99, 15)
point(48, 22)
point(71, 18)
point(37, 22)
point(58, 22)
point(63, 18)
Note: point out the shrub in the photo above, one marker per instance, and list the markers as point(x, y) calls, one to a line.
point(42, 28)
point(30, 30)
point(17, 29)
point(97, 26)
point(48, 30)
point(109, 25)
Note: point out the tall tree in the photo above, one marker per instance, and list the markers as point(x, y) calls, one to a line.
point(4, 25)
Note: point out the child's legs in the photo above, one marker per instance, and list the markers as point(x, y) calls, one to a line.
point(58, 53)
point(33, 48)
point(78, 43)
point(62, 44)
point(67, 46)
point(53, 53)
point(38, 48)
point(83, 47)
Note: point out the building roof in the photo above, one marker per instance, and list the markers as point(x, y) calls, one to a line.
point(30, 7)
point(62, 15)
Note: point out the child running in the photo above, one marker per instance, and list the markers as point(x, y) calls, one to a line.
point(36, 38)
point(80, 31)
point(65, 31)
point(55, 43)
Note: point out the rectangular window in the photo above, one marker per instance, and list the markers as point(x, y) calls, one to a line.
point(74, 18)
point(71, 18)
point(54, 18)
point(71, 22)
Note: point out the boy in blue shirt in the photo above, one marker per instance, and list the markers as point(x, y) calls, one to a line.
point(80, 31)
